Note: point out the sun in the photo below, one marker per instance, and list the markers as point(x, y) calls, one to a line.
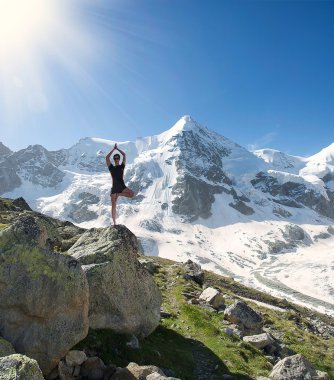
point(22, 24)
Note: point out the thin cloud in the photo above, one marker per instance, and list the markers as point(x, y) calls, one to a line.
point(262, 142)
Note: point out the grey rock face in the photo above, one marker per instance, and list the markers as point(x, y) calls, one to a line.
point(295, 194)
point(123, 295)
point(35, 164)
point(197, 183)
point(4, 151)
point(242, 207)
point(43, 294)
point(151, 225)
point(19, 367)
point(244, 316)
point(296, 367)
point(9, 180)
point(79, 212)
point(193, 197)
point(293, 233)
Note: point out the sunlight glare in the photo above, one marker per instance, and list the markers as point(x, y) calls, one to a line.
point(22, 23)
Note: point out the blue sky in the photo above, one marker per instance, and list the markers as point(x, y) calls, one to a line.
point(258, 72)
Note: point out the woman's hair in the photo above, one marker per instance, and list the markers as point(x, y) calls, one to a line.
point(116, 156)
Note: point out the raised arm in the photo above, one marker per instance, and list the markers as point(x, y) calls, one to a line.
point(123, 154)
point(109, 154)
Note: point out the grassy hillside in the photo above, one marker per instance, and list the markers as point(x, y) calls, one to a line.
point(192, 341)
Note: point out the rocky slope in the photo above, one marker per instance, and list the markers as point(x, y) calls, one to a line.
point(264, 217)
point(210, 327)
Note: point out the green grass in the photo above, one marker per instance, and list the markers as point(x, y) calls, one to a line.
point(3, 225)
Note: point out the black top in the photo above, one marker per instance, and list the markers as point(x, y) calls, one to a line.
point(117, 174)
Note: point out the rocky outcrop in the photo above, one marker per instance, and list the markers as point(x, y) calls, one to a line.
point(123, 295)
point(295, 194)
point(43, 294)
point(80, 212)
point(19, 367)
point(296, 367)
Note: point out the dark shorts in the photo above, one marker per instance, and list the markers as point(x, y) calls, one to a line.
point(117, 189)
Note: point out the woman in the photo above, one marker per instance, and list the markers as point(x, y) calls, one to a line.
point(118, 185)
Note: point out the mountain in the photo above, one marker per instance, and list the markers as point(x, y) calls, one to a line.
point(265, 218)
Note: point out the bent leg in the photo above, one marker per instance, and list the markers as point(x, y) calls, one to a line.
point(127, 193)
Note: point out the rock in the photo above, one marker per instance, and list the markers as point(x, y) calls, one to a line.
point(21, 204)
point(213, 297)
point(6, 348)
point(93, 368)
point(19, 367)
point(122, 374)
point(296, 367)
point(259, 341)
point(123, 295)
point(193, 272)
point(75, 358)
point(293, 232)
point(165, 314)
point(100, 245)
point(158, 376)
point(134, 342)
point(44, 294)
point(150, 266)
point(65, 371)
point(244, 316)
point(141, 372)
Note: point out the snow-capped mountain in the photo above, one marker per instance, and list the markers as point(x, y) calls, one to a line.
point(263, 217)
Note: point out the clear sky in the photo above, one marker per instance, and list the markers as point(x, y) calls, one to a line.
point(258, 72)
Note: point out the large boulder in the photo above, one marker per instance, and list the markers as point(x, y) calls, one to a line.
point(123, 294)
point(43, 294)
point(19, 367)
point(244, 316)
point(296, 367)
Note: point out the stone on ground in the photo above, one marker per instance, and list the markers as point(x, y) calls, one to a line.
point(141, 372)
point(296, 367)
point(260, 340)
point(193, 272)
point(213, 297)
point(244, 316)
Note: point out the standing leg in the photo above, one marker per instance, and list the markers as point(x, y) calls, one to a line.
point(113, 207)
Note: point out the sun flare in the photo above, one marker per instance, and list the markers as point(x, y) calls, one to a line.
point(22, 25)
